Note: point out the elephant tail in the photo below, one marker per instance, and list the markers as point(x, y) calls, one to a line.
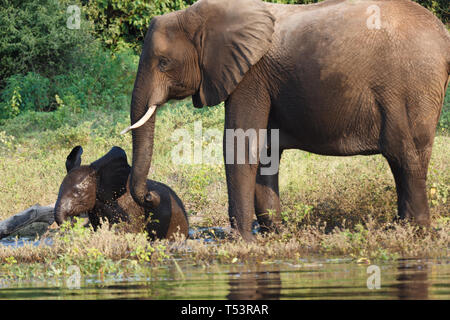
point(448, 64)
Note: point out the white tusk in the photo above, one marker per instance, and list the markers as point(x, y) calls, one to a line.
point(143, 120)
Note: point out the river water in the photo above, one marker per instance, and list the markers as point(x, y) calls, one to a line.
point(311, 279)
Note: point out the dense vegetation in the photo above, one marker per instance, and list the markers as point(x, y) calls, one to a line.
point(46, 66)
point(60, 87)
point(124, 22)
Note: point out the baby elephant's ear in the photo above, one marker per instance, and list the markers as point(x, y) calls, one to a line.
point(74, 158)
point(112, 171)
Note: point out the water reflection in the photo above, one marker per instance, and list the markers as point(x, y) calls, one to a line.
point(413, 280)
point(255, 285)
point(405, 279)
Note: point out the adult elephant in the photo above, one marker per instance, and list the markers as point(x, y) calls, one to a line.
point(336, 78)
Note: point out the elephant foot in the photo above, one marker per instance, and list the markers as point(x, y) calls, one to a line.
point(247, 236)
point(419, 220)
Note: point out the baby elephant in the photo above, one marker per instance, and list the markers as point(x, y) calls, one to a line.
point(101, 190)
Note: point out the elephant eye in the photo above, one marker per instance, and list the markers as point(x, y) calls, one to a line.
point(163, 64)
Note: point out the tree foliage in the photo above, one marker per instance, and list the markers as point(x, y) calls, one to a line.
point(120, 23)
point(124, 22)
point(34, 37)
point(44, 65)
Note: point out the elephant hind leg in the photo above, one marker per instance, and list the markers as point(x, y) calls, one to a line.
point(412, 199)
point(408, 151)
point(267, 201)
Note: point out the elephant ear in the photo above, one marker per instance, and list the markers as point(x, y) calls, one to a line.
point(234, 35)
point(74, 158)
point(112, 174)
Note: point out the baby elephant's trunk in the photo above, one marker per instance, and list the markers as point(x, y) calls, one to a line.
point(59, 216)
point(59, 213)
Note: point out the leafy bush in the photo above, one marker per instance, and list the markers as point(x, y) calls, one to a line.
point(10, 104)
point(45, 65)
point(123, 23)
point(438, 7)
point(29, 92)
point(34, 37)
point(98, 79)
point(120, 23)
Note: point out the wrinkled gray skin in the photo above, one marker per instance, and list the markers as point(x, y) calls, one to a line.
point(318, 73)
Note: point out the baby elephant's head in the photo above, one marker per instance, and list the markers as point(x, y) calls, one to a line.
point(83, 185)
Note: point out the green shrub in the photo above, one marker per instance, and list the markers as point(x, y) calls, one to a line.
point(34, 37)
point(123, 23)
point(99, 79)
point(45, 65)
point(23, 93)
point(439, 7)
point(10, 102)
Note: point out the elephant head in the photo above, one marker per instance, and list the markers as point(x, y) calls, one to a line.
point(84, 187)
point(203, 51)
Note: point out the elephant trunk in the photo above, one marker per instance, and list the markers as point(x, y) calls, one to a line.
point(59, 214)
point(145, 99)
point(143, 138)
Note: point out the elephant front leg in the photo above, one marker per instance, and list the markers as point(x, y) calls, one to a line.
point(244, 137)
point(241, 194)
